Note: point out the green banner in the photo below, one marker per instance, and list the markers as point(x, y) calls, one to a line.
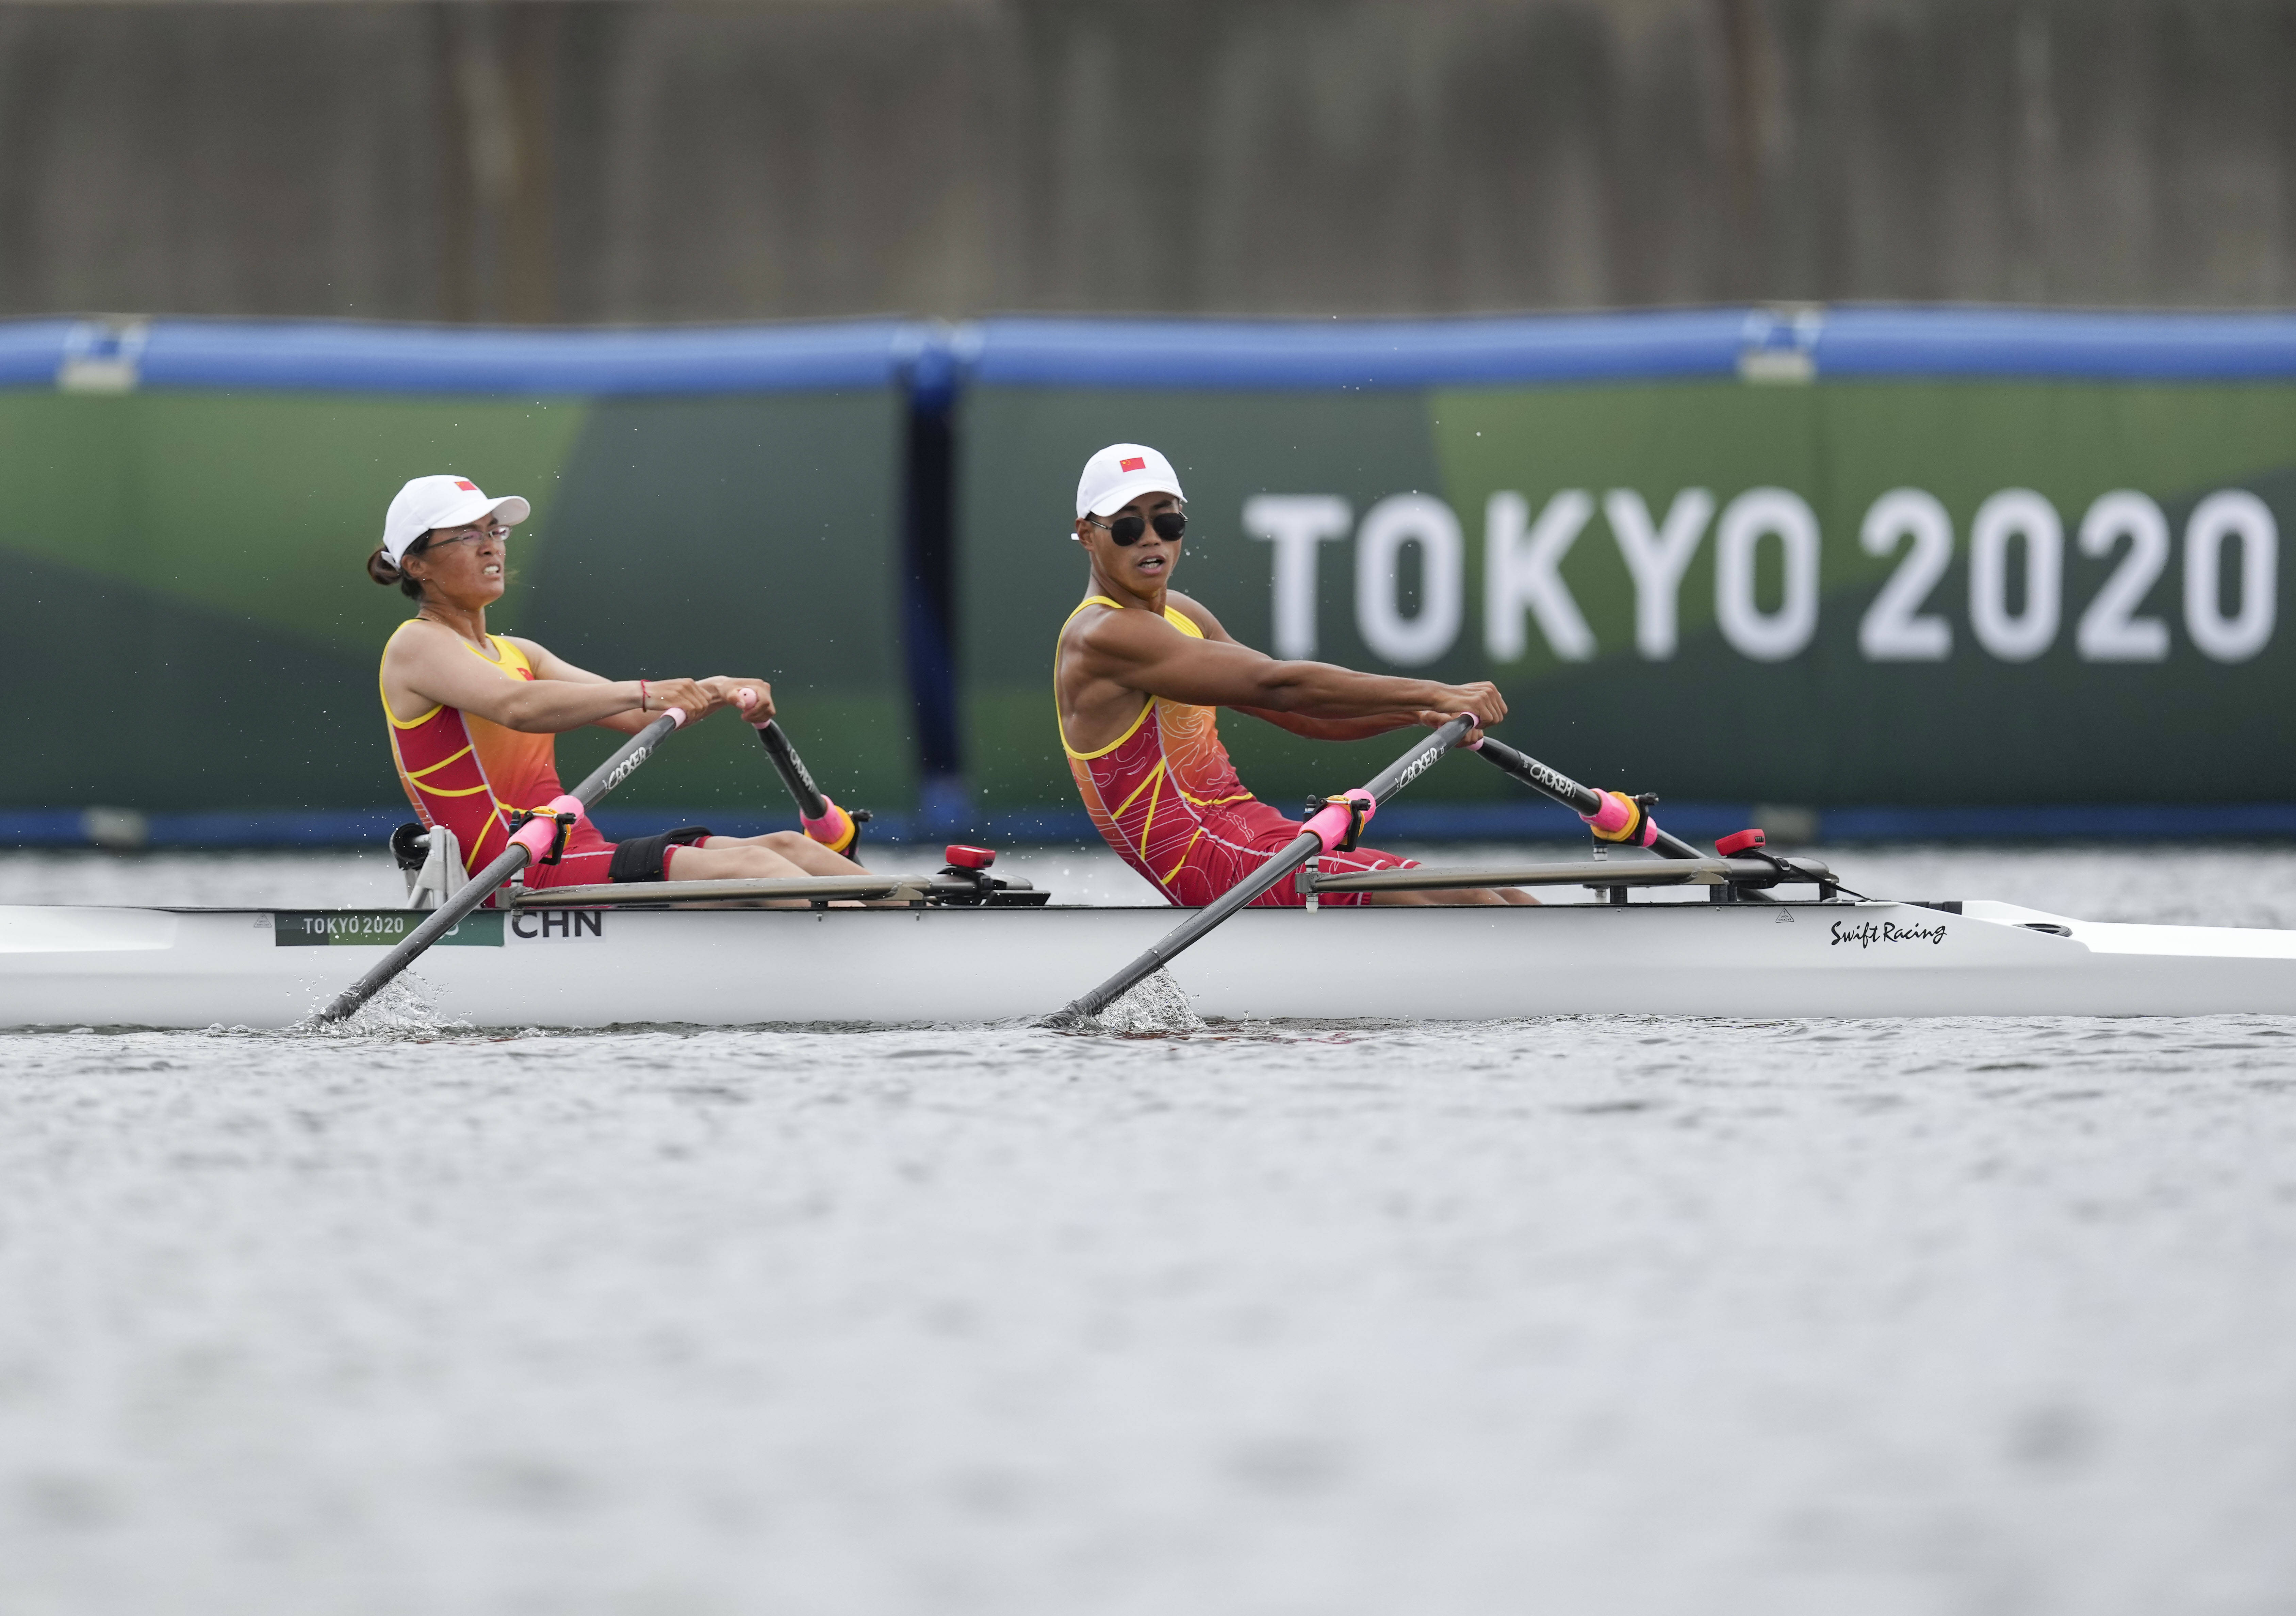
point(193, 625)
point(1917, 592)
point(378, 929)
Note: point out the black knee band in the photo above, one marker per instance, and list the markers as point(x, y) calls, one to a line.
point(642, 857)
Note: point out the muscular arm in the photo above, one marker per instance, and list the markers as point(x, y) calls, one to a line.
point(1297, 723)
point(719, 690)
point(427, 666)
point(549, 665)
point(1327, 729)
point(1316, 699)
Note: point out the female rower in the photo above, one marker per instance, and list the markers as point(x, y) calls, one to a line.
point(473, 715)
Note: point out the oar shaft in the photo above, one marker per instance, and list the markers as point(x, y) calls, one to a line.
point(1184, 937)
point(624, 763)
point(1323, 831)
point(506, 864)
point(810, 802)
point(435, 925)
point(1559, 787)
point(824, 822)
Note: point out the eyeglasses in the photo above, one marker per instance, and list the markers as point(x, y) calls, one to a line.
point(467, 536)
point(1127, 528)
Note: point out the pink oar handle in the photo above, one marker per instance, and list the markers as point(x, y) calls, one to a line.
point(833, 828)
point(536, 835)
point(1620, 818)
point(1329, 823)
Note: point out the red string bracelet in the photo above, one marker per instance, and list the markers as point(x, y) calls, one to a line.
point(642, 696)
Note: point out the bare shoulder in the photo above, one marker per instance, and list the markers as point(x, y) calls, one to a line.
point(1085, 615)
point(1097, 623)
point(1198, 613)
point(1110, 627)
point(1116, 643)
point(417, 662)
point(415, 642)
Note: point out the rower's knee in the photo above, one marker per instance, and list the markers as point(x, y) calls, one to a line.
point(769, 862)
point(728, 860)
point(809, 855)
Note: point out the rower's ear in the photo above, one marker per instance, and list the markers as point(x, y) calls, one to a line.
point(383, 570)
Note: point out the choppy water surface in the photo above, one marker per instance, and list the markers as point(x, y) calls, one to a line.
point(1565, 1315)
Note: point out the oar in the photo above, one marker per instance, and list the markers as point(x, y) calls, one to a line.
point(528, 843)
point(1610, 815)
point(824, 822)
point(1334, 823)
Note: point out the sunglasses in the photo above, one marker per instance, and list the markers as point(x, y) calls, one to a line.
point(1126, 529)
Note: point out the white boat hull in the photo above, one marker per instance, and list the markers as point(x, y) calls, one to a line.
point(110, 967)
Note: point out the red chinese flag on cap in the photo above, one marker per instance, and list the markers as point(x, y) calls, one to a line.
point(473, 487)
point(1135, 463)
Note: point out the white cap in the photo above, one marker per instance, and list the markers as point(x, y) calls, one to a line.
point(1121, 473)
point(442, 502)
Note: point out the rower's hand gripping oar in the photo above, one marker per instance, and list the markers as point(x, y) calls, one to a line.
point(533, 842)
point(824, 822)
point(1336, 825)
point(1611, 816)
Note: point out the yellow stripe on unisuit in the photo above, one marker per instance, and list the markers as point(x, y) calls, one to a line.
point(1184, 851)
point(435, 768)
point(1155, 797)
point(1142, 786)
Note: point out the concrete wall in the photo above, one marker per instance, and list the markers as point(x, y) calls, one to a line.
point(634, 161)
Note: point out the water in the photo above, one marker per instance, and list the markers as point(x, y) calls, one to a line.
point(1569, 1315)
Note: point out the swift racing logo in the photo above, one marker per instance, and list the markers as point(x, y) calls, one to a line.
point(1869, 932)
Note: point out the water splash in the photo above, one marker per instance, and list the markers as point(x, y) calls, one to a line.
point(401, 1008)
point(1156, 1007)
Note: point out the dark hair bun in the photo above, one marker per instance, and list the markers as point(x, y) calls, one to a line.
point(385, 572)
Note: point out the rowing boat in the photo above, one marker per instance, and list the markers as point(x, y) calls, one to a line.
point(941, 950)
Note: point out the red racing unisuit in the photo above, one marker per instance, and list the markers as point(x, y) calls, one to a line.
point(474, 716)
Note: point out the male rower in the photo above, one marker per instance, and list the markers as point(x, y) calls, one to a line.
point(1140, 668)
point(474, 716)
